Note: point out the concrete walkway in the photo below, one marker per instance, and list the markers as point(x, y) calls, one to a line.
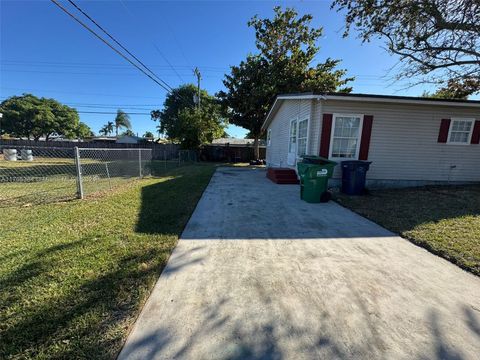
point(260, 274)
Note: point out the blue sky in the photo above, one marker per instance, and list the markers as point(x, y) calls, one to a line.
point(45, 52)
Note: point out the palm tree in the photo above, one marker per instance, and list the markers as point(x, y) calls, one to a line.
point(107, 129)
point(122, 120)
point(148, 134)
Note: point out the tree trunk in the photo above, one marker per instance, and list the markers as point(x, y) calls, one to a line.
point(116, 131)
point(256, 148)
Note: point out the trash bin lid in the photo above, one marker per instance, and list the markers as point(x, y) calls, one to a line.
point(313, 159)
point(354, 164)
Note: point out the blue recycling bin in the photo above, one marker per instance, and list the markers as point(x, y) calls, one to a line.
point(354, 174)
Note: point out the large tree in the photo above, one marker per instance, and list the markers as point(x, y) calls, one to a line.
point(438, 41)
point(84, 131)
point(33, 117)
point(287, 47)
point(122, 120)
point(455, 90)
point(182, 121)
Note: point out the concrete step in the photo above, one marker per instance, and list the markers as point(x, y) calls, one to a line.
point(282, 176)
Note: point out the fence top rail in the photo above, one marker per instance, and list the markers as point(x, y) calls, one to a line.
point(113, 149)
point(27, 147)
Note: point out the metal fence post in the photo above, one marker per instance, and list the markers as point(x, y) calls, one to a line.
point(140, 163)
point(79, 173)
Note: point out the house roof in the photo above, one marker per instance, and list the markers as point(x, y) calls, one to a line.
point(367, 98)
point(104, 138)
point(130, 137)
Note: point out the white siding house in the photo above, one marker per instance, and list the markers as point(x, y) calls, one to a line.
point(410, 141)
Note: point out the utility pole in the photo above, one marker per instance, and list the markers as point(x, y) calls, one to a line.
point(196, 71)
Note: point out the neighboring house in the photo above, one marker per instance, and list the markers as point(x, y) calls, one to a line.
point(127, 139)
point(409, 140)
point(232, 150)
point(105, 139)
point(236, 142)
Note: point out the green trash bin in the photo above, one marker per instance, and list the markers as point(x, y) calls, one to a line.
point(314, 172)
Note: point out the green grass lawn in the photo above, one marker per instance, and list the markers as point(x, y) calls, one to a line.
point(443, 219)
point(47, 180)
point(74, 275)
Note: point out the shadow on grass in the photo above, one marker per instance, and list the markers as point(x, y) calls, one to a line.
point(55, 305)
point(441, 219)
point(167, 205)
point(405, 209)
point(82, 322)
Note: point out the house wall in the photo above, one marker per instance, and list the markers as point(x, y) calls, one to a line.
point(403, 145)
point(277, 151)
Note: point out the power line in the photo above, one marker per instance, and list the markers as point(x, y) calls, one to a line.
point(133, 16)
point(76, 64)
point(101, 107)
point(110, 105)
point(110, 113)
point(159, 82)
point(76, 73)
point(106, 43)
point(79, 93)
point(357, 78)
point(178, 43)
point(117, 42)
point(106, 107)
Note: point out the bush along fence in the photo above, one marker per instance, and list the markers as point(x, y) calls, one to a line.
point(35, 175)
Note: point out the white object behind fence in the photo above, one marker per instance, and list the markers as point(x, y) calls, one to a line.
point(40, 174)
point(10, 154)
point(26, 154)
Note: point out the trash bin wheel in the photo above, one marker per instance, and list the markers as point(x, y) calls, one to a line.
point(326, 196)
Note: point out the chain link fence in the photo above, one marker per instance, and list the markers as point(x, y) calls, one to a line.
point(103, 169)
point(35, 175)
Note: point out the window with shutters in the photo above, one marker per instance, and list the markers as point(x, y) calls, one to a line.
point(460, 132)
point(345, 137)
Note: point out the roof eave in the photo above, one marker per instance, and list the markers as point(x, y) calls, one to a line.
point(403, 101)
point(279, 98)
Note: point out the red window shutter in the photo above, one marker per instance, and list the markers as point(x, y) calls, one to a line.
point(476, 133)
point(366, 135)
point(325, 135)
point(443, 133)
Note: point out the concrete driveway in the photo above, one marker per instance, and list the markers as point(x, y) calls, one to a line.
point(259, 274)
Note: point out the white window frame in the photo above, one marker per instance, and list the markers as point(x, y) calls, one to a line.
point(472, 124)
point(332, 131)
point(269, 137)
point(290, 134)
point(307, 136)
